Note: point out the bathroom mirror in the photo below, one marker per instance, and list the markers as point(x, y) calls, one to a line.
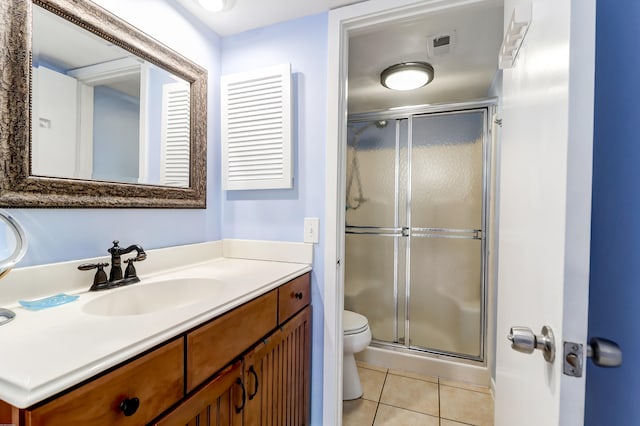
point(13, 242)
point(98, 114)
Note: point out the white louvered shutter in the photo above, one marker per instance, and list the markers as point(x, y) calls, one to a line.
point(256, 129)
point(174, 169)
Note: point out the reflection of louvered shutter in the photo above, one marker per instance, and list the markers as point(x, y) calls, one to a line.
point(175, 135)
point(256, 129)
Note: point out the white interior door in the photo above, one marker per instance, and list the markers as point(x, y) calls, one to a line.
point(545, 204)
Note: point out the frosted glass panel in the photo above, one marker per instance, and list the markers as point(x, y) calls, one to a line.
point(446, 171)
point(368, 282)
point(421, 290)
point(444, 307)
point(371, 173)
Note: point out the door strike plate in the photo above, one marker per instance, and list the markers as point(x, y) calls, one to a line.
point(573, 359)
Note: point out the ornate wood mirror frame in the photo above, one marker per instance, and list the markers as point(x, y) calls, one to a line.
point(20, 189)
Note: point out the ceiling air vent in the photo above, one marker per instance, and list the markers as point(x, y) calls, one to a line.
point(441, 44)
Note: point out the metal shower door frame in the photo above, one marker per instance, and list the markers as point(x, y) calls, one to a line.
point(487, 106)
point(456, 233)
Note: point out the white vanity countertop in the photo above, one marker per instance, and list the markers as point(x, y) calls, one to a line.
point(44, 352)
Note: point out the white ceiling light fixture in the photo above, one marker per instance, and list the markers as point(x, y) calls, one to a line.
point(407, 76)
point(214, 5)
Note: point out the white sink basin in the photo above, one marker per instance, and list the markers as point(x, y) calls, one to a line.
point(139, 299)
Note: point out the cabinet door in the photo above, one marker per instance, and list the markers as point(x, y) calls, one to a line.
point(277, 374)
point(218, 402)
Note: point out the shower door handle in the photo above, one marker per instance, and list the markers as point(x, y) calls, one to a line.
point(375, 230)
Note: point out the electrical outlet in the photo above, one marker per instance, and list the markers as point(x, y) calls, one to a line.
point(311, 227)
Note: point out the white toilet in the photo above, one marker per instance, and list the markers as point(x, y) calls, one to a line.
point(357, 337)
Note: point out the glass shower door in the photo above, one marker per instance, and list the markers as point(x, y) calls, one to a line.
point(445, 247)
point(372, 231)
point(414, 245)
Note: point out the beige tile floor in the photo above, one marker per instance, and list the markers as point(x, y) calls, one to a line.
point(399, 398)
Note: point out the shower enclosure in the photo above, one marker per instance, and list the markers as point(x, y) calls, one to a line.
point(415, 243)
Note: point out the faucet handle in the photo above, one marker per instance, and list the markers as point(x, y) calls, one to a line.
point(90, 266)
point(101, 276)
point(130, 271)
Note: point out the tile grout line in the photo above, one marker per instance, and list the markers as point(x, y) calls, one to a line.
point(380, 397)
point(439, 406)
point(466, 389)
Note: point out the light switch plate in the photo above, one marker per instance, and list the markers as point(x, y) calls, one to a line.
point(311, 229)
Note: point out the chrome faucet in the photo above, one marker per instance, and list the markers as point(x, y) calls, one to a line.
point(116, 279)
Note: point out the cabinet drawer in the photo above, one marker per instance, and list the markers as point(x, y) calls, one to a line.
point(293, 296)
point(155, 379)
point(216, 344)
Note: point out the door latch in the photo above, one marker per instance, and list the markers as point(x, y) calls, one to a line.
point(603, 353)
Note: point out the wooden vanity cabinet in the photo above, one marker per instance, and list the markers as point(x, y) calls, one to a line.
point(249, 366)
point(269, 384)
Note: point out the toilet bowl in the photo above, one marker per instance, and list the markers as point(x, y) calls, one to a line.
point(357, 337)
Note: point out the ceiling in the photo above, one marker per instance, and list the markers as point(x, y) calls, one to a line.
point(244, 15)
point(464, 74)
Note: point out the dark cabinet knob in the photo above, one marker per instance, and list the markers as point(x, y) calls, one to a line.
point(129, 406)
point(298, 296)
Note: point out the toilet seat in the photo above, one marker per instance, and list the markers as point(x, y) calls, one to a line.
point(353, 323)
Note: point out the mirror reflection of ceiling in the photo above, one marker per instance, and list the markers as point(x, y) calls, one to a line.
point(73, 48)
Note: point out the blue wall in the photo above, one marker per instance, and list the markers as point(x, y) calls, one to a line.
point(157, 78)
point(279, 214)
point(116, 131)
point(65, 234)
point(613, 395)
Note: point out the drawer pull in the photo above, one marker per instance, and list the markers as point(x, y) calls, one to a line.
point(129, 406)
point(244, 395)
point(298, 296)
point(255, 376)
